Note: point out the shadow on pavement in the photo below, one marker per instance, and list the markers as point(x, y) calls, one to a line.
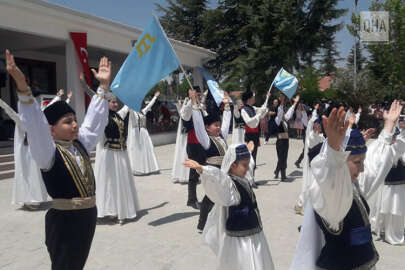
point(173, 218)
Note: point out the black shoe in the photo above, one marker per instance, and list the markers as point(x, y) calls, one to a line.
point(297, 164)
point(276, 174)
point(195, 205)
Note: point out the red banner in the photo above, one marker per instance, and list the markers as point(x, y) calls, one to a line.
point(80, 42)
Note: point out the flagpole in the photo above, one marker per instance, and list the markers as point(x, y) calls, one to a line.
point(181, 66)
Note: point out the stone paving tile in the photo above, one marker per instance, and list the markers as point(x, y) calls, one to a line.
point(164, 236)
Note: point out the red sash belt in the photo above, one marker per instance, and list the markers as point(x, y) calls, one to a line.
point(251, 130)
point(192, 138)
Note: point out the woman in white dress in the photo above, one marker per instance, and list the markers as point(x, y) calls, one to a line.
point(28, 187)
point(140, 146)
point(180, 173)
point(234, 230)
point(116, 195)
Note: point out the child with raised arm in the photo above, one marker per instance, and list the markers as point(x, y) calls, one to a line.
point(61, 150)
point(234, 229)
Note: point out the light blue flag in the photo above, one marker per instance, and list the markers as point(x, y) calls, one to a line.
point(213, 86)
point(286, 83)
point(151, 59)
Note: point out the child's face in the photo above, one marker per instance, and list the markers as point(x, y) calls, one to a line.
point(214, 129)
point(113, 105)
point(356, 165)
point(66, 129)
point(240, 168)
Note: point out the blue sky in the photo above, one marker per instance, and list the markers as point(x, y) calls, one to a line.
point(138, 13)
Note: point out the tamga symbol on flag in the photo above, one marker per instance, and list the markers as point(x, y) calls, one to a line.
point(150, 60)
point(286, 83)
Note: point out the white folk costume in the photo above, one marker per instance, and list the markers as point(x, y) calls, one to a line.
point(238, 131)
point(180, 173)
point(234, 229)
point(336, 231)
point(312, 140)
point(214, 148)
point(116, 194)
point(28, 187)
point(140, 146)
point(68, 176)
point(389, 215)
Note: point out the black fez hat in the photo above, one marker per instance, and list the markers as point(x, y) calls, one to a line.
point(56, 111)
point(211, 118)
point(197, 88)
point(246, 95)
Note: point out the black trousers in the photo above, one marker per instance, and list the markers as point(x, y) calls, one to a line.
point(255, 137)
point(282, 146)
point(68, 237)
point(301, 157)
point(195, 152)
point(206, 207)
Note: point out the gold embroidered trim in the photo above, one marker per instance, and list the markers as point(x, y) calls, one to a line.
point(74, 203)
point(220, 144)
point(30, 101)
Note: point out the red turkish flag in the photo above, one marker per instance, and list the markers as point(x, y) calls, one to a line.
point(80, 42)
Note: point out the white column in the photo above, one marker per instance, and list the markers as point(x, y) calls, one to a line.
point(73, 69)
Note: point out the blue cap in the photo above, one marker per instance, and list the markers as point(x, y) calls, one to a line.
point(356, 144)
point(242, 152)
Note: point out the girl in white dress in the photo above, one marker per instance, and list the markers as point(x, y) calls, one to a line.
point(140, 146)
point(234, 229)
point(180, 173)
point(28, 187)
point(116, 194)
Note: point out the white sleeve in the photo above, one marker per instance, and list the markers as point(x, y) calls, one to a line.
point(123, 112)
point(251, 122)
point(67, 100)
point(55, 99)
point(219, 187)
point(186, 111)
point(280, 114)
point(379, 161)
point(149, 106)
point(331, 193)
point(357, 118)
point(226, 123)
point(94, 122)
point(304, 118)
point(289, 113)
point(11, 113)
point(199, 128)
point(40, 141)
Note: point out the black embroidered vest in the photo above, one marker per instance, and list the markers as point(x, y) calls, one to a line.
point(244, 218)
point(396, 176)
point(351, 247)
point(239, 123)
point(65, 180)
point(116, 132)
point(216, 152)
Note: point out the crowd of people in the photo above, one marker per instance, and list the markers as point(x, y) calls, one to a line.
point(351, 187)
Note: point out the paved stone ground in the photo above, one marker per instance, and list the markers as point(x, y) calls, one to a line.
point(164, 235)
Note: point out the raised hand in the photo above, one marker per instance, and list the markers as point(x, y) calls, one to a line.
point(104, 73)
point(282, 99)
point(16, 73)
point(296, 99)
point(157, 94)
point(192, 164)
point(367, 134)
point(391, 116)
point(352, 120)
point(69, 95)
point(335, 127)
point(251, 146)
point(60, 93)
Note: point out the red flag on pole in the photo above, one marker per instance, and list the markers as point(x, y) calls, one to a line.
point(80, 42)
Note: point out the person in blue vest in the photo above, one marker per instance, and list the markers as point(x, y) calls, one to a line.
point(61, 150)
point(193, 148)
point(212, 136)
point(234, 229)
point(336, 232)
